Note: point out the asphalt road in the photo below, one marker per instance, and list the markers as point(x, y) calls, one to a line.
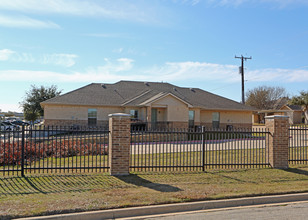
point(285, 211)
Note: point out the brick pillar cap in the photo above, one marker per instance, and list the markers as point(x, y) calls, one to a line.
point(119, 115)
point(276, 116)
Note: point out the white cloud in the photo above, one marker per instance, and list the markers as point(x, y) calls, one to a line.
point(180, 71)
point(25, 22)
point(5, 54)
point(4, 107)
point(279, 3)
point(23, 58)
point(118, 50)
point(109, 72)
point(66, 60)
point(61, 59)
point(120, 9)
point(123, 69)
point(281, 75)
point(190, 2)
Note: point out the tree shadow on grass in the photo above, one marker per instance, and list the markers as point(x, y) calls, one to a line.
point(139, 181)
point(297, 171)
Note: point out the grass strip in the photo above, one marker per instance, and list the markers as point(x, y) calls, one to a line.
point(57, 193)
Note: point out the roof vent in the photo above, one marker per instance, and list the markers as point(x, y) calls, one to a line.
point(192, 89)
point(146, 83)
point(104, 86)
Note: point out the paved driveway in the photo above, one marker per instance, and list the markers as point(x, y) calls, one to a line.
point(190, 146)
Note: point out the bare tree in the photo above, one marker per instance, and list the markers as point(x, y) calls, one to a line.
point(265, 97)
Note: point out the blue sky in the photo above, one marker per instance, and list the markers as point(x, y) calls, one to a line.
point(189, 43)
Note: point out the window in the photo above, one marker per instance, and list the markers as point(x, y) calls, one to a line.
point(191, 118)
point(134, 114)
point(92, 117)
point(215, 119)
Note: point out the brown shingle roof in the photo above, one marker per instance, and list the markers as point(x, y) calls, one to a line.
point(134, 93)
point(295, 107)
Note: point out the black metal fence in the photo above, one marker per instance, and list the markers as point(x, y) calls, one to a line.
point(198, 150)
point(84, 149)
point(298, 145)
point(53, 149)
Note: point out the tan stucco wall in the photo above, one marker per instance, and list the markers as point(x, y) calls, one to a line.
point(176, 111)
point(141, 112)
point(197, 119)
point(227, 116)
point(62, 112)
point(161, 114)
point(297, 117)
point(169, 109)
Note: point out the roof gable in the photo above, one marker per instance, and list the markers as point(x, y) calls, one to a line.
point(292, 107)
point(134, 93)
point(161, 96)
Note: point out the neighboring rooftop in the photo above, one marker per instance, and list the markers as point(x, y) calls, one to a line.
point(295, 107)
point(281, 102)
point(134, 93)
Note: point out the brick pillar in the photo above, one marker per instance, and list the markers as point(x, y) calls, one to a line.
point(119, 143)
point(278, 126)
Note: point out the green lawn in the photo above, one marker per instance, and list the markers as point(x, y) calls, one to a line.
point(58, 193)
point(185, 161)
point(177, 161)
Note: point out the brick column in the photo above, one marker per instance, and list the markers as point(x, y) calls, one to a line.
point(278, 126)
point(119, 143)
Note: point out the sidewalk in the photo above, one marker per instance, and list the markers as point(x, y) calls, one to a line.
point(178, 207)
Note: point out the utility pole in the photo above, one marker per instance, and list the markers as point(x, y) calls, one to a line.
point(242, 73)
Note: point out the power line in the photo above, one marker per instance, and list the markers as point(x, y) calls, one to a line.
point(242, 73)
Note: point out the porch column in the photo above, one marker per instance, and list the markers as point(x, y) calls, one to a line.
point(149, 117)
point(278, 126)
point(119, 143)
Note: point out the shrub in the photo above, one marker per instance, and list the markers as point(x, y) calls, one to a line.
point(11, 153)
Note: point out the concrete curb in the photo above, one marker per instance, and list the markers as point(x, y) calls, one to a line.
point(178, 207)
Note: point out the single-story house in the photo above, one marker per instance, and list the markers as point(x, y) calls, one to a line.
point(294, 112)
point(153, 103)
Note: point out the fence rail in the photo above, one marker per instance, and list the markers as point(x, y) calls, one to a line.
point(53, 149)
point(298, 145)
point(198, 150)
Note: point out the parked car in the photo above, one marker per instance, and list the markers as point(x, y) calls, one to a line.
point(8, 126)
point(4, 126)
point(20, 123)
point(10, 119)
